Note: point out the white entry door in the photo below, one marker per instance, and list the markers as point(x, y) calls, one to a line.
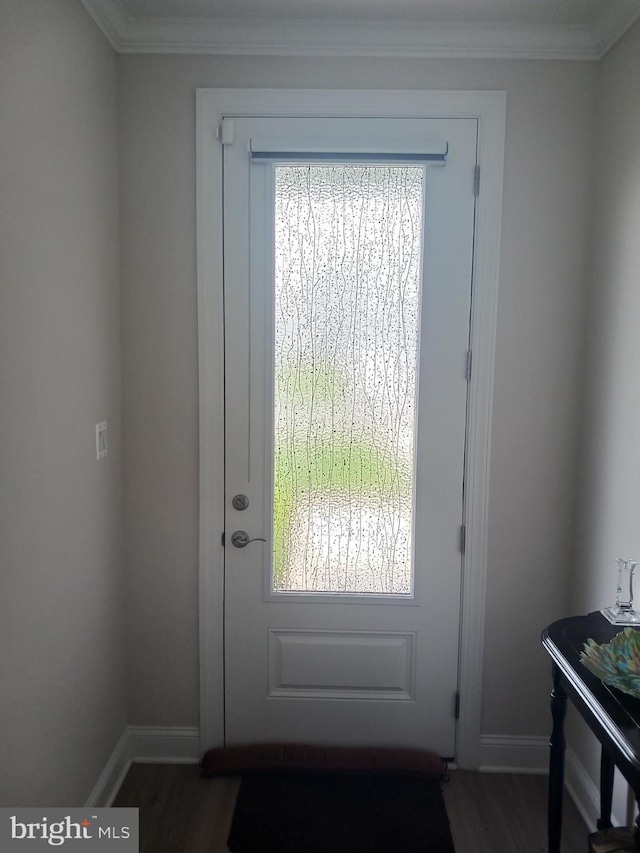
point(348, 248)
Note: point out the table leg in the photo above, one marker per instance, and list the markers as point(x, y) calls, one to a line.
point(556, 762)
point(607, 769)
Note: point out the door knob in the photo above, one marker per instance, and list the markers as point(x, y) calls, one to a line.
point(241, 539)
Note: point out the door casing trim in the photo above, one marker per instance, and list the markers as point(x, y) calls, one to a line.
point(489, 108)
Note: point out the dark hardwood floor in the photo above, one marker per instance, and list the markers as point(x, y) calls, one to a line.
point(180, 812)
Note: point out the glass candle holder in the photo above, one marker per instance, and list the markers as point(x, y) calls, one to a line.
point(622, 612)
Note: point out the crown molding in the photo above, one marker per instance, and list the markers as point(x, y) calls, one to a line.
point(289, 37)
point(614, 24)
point(110, 18)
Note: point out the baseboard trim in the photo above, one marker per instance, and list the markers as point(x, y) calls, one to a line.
point(584, 791)
point(514, 754)
point(111, 777)
point(498, 753)
point(144, 745)
point(157, 745)
point(507, 754)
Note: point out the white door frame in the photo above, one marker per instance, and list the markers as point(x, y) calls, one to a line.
point(212, 105)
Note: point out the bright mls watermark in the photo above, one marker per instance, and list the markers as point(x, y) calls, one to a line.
point(69, 829)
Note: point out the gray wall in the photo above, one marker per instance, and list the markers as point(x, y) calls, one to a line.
point(65, 598)
point(62, 702)
point(538, 362)
point(610, 507)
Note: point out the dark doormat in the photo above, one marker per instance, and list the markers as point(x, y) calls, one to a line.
point(306, 812)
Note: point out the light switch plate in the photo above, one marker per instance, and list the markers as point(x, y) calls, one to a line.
point(101, 440)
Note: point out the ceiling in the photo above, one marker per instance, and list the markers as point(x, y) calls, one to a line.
point(528, 29)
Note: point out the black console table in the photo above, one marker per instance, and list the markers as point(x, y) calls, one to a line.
point(613, 717)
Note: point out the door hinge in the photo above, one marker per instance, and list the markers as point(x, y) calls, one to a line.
point(468, 367)
point(463, 538)
point(225, 131)
point(456, 705)
point(222, 539)
point(476, 181)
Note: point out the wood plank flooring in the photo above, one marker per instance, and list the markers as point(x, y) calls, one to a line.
point(180, 812)
point(507, 813)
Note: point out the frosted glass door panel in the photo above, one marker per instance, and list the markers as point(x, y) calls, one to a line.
point(348, 273)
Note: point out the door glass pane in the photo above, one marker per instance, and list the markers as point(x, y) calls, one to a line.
point(347, 306)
